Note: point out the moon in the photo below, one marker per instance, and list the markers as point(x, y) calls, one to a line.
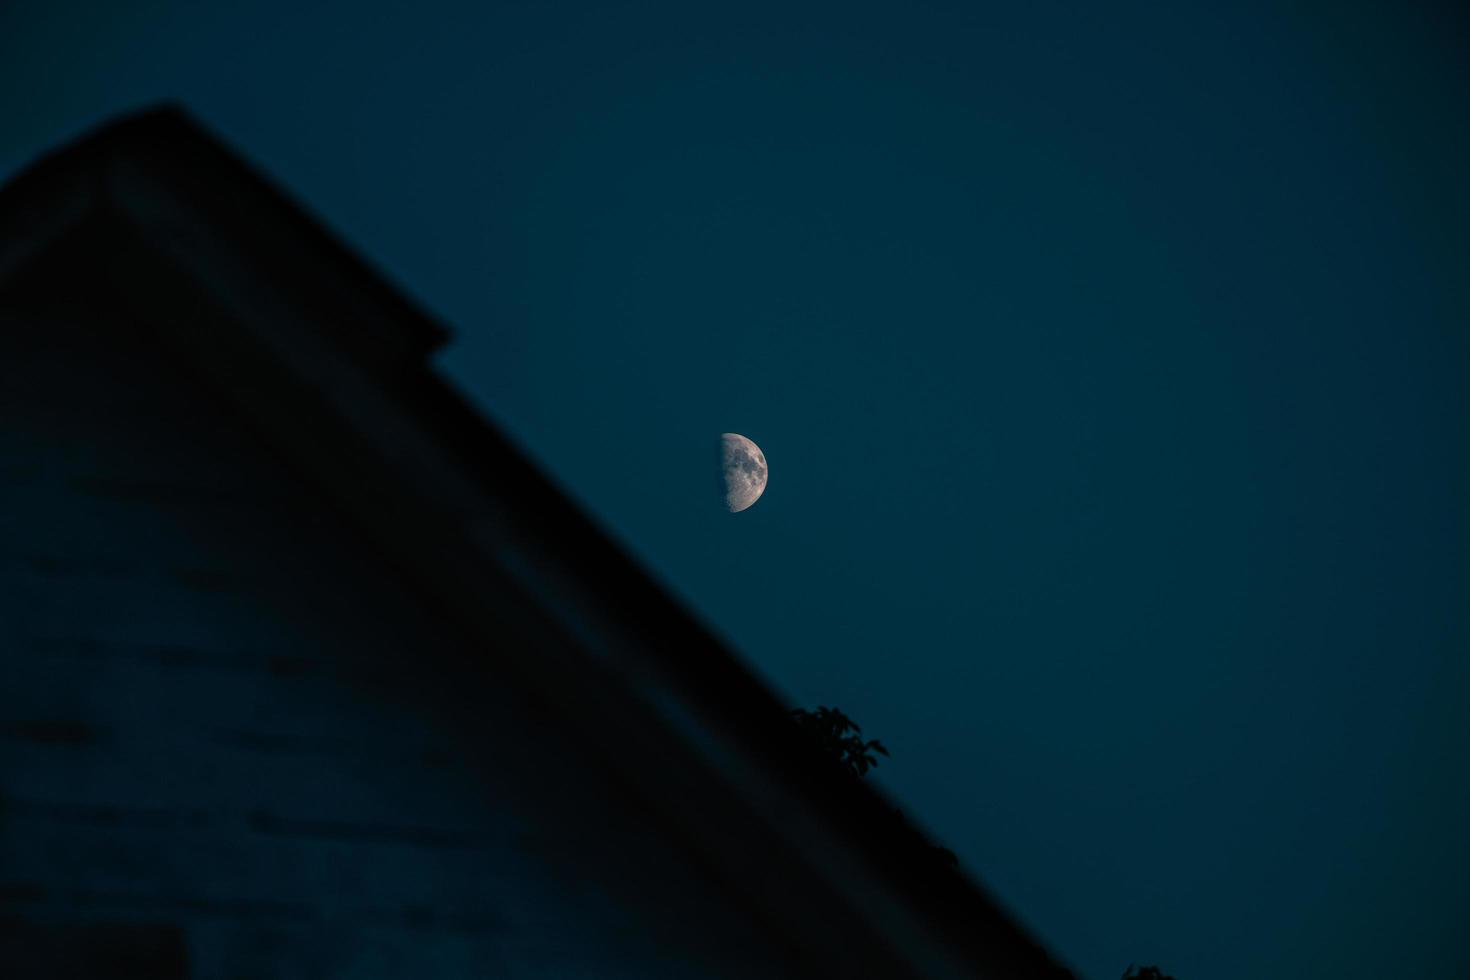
point(745, 471)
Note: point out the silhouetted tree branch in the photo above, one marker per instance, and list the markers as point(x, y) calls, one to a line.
point(840, 737)
point(1145, 973)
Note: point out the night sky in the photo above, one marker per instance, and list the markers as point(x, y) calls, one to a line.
point(1112, 365)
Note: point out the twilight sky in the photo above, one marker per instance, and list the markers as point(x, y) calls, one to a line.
point(1112, 365)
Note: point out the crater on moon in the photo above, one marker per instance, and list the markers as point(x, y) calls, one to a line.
point(745, 471)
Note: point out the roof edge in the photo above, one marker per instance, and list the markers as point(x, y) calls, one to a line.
point(125, 168)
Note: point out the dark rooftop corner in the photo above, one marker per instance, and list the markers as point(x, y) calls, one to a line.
point(34, 951)
point(138, 155)
point(288, 482)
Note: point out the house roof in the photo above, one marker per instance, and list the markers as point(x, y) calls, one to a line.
point(330, 364)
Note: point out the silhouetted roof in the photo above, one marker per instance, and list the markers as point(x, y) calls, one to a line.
point(330, 365)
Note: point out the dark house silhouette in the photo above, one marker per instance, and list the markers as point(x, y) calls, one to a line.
point(305, 672)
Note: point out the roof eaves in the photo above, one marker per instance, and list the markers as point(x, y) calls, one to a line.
point(159, 166)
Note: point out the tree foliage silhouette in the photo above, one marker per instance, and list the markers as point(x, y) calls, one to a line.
point(840, 737)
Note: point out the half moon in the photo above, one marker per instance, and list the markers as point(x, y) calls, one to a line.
point(745, 471)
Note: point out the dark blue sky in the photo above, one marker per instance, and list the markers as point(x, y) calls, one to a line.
point(1112, 364)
